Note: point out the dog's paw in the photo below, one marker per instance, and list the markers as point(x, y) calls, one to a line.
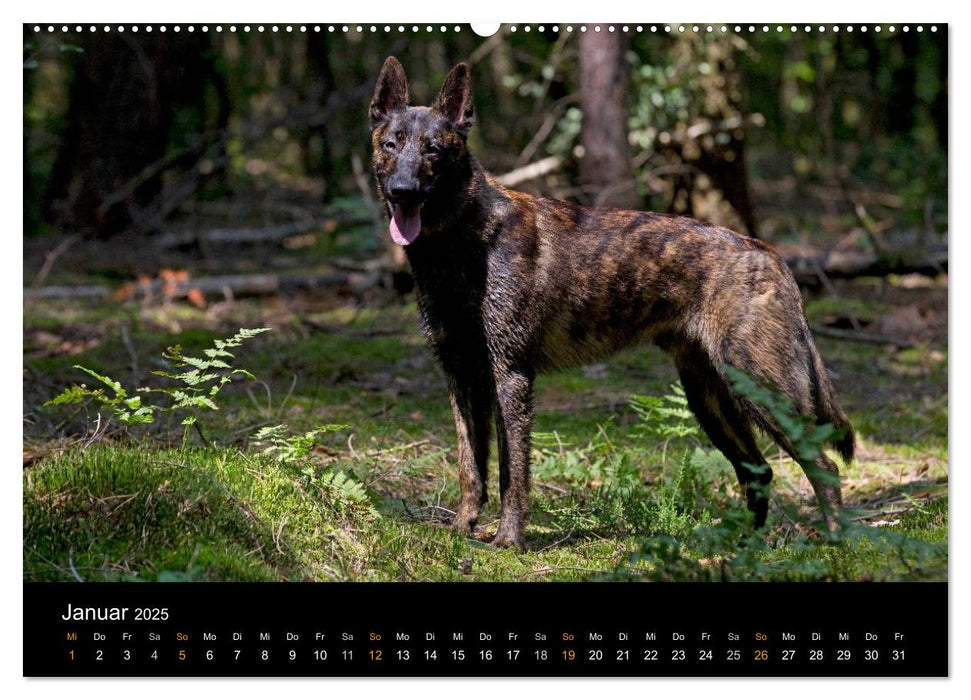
point(464, 523)
point(509, 537)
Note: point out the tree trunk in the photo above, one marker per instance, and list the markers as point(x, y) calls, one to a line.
point(605, 168)
point(320, 83)
point(120, 111)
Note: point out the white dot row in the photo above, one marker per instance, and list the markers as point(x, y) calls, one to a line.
point(669, 28)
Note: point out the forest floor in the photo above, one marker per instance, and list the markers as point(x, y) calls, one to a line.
point(614, 496)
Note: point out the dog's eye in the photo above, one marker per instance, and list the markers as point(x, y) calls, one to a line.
point(388, 145)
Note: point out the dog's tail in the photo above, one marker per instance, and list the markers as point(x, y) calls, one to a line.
point(828, 408)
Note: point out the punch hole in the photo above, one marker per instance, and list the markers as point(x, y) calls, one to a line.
point(485, 28)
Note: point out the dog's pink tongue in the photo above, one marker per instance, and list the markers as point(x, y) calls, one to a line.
point(405, 224)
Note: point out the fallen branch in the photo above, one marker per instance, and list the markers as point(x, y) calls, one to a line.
point(61, 292)
point(860, 337)
point(531, 171)
point(849, 265)
point(227, 285)
point(230, 236)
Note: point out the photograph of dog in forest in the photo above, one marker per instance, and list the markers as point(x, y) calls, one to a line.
point(510, 285)
point(556, 304)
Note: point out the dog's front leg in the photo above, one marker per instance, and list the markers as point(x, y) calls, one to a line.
point(472, 409)
point(514, 414)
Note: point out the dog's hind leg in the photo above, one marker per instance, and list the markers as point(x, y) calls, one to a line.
point(785, 361)
point(823, 475)
point(729, 429)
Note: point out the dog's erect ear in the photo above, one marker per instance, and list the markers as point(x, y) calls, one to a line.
point(390, 93)
point(455, 99)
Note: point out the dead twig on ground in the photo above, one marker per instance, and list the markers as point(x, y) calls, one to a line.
point(52, 257)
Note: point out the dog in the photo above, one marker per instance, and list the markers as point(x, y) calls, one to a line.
point(509, 285)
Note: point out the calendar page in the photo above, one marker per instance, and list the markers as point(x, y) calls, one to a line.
point(525, 349)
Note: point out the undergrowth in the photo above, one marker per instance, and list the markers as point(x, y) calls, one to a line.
point(645, 498)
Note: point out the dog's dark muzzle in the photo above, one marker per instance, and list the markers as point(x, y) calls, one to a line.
point(408, 195)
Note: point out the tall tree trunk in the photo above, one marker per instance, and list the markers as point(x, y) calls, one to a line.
point(606, 166)
point(319, 85)
point(119, 118)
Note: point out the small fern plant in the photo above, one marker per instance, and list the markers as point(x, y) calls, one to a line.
point(198, 382)
point(665, 418)
point(295, 450)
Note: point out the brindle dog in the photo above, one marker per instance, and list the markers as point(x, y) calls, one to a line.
point(510, 285)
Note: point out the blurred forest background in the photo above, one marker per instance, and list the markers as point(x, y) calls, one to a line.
point(194, 182)
point(779, 135)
